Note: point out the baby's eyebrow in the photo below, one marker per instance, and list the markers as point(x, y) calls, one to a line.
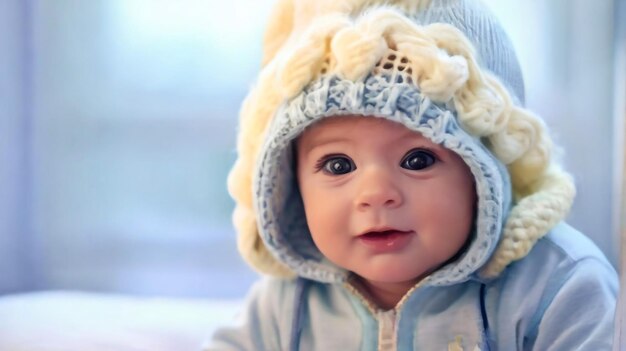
point(310, 146)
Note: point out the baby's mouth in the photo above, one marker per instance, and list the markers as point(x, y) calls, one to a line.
point(383, 235)
point(386, 241)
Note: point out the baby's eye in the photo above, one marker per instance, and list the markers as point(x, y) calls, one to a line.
point(338, 165)
point(417, 160)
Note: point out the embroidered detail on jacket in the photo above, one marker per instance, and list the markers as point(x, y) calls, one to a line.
point(457, 345)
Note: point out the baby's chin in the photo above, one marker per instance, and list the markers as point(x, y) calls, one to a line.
point(390, 270)
point(391, 277)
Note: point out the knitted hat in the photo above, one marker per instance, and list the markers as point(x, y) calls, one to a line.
point(443, 68)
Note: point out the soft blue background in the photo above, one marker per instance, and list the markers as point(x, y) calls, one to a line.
point(118, 125)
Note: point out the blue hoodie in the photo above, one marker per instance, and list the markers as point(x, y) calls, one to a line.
point(560, 297)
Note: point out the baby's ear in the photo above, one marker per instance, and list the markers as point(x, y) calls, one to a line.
point(279, 28)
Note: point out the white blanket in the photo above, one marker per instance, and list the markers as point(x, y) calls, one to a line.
point(67, 321)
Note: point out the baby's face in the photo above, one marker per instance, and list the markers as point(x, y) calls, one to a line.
point(382, 201)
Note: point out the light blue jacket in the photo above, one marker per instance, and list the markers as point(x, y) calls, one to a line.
point(559, 297)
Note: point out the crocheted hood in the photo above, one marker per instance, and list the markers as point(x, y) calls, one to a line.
point(443, 68)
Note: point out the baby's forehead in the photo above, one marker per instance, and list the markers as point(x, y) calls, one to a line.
point(355, 127)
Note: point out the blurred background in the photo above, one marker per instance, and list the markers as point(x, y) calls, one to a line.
point(118, 126)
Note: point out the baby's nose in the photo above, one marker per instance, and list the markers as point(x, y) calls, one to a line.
point(378, 188)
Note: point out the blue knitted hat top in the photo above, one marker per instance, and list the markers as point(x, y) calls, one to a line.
point(443, 68)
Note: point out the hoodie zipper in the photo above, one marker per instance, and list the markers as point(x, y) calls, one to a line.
point(387, 340)
point(387, 319)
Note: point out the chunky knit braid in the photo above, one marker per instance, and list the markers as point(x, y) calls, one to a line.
point(531, 218)
point(257, 109)
point(442, 63)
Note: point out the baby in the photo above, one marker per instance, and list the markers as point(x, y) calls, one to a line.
point(393, 185)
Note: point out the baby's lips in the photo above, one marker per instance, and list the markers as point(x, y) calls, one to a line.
point(383, 233)
point(383, 230)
